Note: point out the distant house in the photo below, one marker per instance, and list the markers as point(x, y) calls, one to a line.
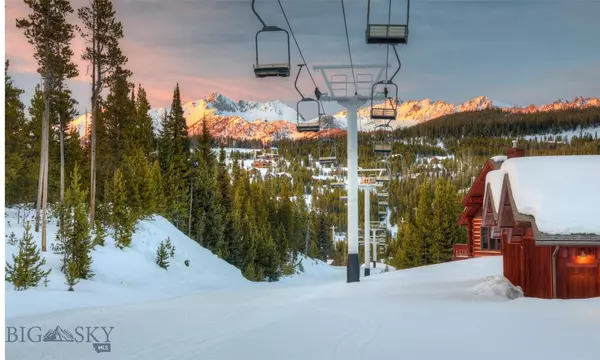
point(541, 214)
point(480, 242)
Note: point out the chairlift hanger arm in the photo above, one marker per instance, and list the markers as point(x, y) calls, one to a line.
point(258, 16)
point(296, 82)
point(399, 64)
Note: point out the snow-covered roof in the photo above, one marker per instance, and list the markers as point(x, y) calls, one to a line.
point(498, 158)
point(494, 179)
point(562, 193)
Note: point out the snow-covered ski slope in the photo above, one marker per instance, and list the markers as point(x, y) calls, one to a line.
point(130, 275)
point(459, 310)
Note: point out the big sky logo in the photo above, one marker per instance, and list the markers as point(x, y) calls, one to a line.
point(98, 336)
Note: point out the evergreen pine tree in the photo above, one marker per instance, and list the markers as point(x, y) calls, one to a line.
point(26, 269)
point(100, 234)
point(229, 231)
point(121, 219)
point(80, 237)
point(423, 219)
point(157, 188)
point(71, 274)
point(105, 56)
point(162, 255)
point(146, 136)
point(15, 130)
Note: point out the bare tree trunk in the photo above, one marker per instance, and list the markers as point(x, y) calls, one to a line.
point(38, 205)
point(62, 156)
point(93, 164)
point(307, 237)
point(46, 158)
point(96, 73)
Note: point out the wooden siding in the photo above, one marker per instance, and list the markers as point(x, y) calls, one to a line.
point(578, 277)
point(476, 234)
point(511, 262)
point(537, 261)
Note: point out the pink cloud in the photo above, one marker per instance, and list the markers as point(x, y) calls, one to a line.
point(157, 69)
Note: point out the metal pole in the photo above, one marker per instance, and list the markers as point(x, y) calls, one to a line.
point(375, 248)
point(190, 214)
point(367, 231)
point(353, 267)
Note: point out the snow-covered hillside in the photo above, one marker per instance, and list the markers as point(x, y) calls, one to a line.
point(122, 275)
point(422, 313)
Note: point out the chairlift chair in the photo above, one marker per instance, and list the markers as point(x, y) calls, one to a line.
point(384, 146)
point(262, 70)
point(325, 156)
point(383, 178)
point(382, 195)
point(338, 185)
point(387, 34)
point(389, 111)
point(307, 126)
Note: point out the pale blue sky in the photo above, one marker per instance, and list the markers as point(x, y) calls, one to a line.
point(516, 52)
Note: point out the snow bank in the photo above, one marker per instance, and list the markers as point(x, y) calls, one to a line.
point(561, 192)
point(312, 268)
point(497, 286)
point(380, 269)
point(122, 276)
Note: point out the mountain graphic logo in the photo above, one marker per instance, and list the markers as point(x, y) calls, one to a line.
point(58, 335)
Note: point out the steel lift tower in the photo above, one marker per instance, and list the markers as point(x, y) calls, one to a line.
point(352, 102)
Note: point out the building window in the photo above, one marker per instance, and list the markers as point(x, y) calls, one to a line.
point(488, 242)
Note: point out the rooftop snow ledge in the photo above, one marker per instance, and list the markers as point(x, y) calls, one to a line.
point(498, 158)
point(495, 178)
point(562, 193)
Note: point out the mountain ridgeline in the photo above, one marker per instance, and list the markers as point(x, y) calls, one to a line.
point(270, 121)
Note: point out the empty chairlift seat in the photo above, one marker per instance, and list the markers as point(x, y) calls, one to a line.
point(266, 70)
point(387, 34)
point(338, 185)
point(308, 126)
point(383, 147)
point(382, 195)
point(383, 113)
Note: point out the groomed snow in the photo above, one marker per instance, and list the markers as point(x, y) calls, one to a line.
point(422, 313)
point(562, 193)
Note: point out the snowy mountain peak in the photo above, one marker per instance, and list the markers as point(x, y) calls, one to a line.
point(245, 119)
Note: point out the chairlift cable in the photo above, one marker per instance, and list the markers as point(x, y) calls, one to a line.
point(387, 55)
point(349, 51)
point(296, 41)
point(387, 61)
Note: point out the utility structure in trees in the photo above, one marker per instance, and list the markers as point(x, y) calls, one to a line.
point(368, 183)
point(351, 100)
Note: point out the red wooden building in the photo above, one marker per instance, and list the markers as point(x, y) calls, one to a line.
point(543, 256)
